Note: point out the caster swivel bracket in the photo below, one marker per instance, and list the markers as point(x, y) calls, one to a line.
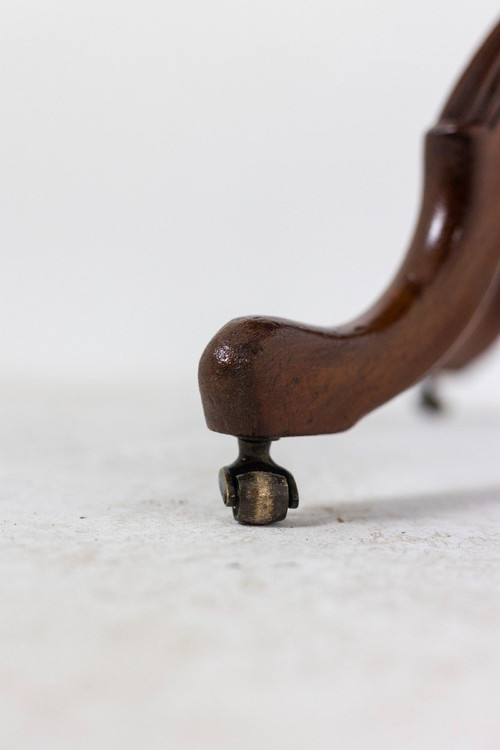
point(255, 487)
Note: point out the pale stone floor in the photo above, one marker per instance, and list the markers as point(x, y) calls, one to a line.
point(136, 614)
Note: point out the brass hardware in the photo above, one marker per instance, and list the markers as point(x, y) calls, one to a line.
point(258, 490)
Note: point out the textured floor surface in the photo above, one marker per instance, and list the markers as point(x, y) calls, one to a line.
point(135, 614)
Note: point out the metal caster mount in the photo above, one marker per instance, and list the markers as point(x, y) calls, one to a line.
point(255, 487)
point(430, 399)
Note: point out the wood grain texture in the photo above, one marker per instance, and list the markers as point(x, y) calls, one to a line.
point(268, 377)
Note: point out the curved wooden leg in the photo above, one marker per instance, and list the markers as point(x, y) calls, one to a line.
point(481, 336)
point(430, 400)
point(265, 378)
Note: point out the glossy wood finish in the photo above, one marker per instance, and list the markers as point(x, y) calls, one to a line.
point(268, 377)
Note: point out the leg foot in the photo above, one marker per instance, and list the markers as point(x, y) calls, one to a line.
point(430, 400)
point(258, 490)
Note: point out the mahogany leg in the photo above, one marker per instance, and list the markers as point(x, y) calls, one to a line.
point(430, 400)
point(481, 336)
point(266, 378)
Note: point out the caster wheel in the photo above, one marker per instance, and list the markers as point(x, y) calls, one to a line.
point(258, 490)
point(430, 400)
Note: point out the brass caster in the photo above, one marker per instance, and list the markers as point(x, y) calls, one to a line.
point(430, 400)
point(258, 490)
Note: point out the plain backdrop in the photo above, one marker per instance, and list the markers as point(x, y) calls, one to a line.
point(168, 165)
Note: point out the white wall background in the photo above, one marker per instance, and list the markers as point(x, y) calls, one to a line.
point(167, 165)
